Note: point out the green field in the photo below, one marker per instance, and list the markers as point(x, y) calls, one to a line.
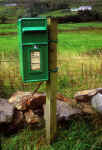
point(79, 42)
point(77, 26)
point(7, 28)
point(80, 67)
point(79, 38)
point(9, 44)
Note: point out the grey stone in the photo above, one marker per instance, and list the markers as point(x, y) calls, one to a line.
point(6, 111)
point(96, 102)
point(63, 111)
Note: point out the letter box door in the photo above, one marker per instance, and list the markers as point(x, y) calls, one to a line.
point(35, 62)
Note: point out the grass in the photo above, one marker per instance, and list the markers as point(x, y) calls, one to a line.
point(74, 26)
point(4, 26)
point(8, 28)
point(9, 45)
point(78, 42)
point(79, 134)
point(27, 143)
point(80, 67)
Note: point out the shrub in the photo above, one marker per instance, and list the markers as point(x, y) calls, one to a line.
point(3, 19)
point(3, 16)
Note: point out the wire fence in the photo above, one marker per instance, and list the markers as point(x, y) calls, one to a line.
point(10, 78)
point(74, 74)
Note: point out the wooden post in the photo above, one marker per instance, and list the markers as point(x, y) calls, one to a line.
point(51, 84)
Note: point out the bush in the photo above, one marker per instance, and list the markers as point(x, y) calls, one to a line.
point(88, 15)
point(3, 19)
point(81, 16)
point(3, 16)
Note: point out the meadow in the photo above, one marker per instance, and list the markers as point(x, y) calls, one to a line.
point(80, 67)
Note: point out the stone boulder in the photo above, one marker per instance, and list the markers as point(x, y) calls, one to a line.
point(63, 110)
point(32, 106)
point(24, 100)
point(6, 111)
point(96, 102)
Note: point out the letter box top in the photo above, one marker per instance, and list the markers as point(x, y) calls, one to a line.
point(32, 24)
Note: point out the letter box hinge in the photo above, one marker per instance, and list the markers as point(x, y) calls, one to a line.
point(54, 70)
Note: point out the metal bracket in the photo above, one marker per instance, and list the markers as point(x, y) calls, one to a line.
point(54, 70)
point(53, 41)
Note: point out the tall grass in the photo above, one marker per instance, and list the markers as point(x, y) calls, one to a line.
point(78, 73)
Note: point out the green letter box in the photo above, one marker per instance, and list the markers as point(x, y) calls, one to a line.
point(33, 41)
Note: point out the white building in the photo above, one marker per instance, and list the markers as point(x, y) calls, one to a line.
point(82, 8)
point(11, 5)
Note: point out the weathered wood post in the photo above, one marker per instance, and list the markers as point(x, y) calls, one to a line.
point(51, 84)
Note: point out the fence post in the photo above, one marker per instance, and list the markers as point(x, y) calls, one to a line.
point(51, 84)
